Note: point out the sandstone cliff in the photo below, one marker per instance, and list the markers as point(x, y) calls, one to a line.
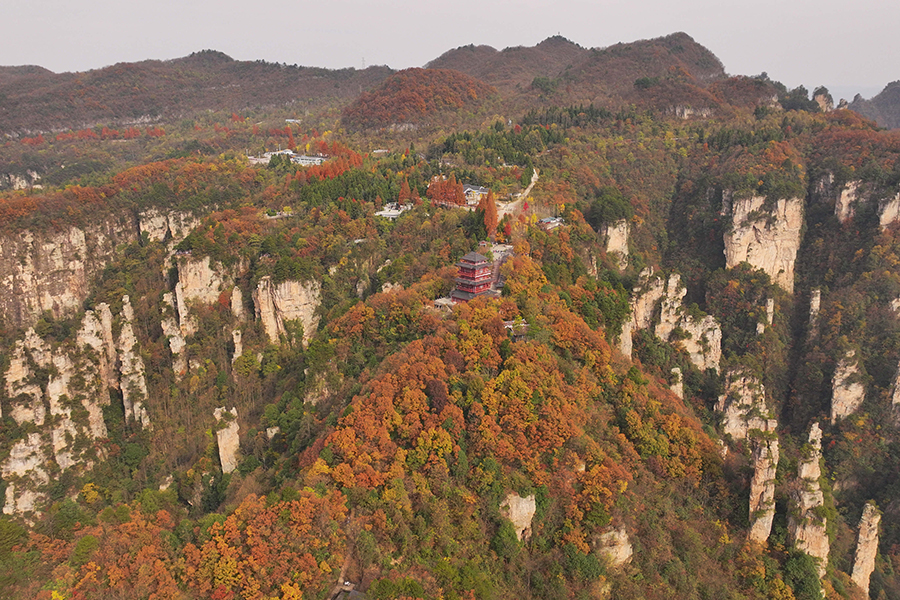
point(847, 392)
point(866, 547)
point(889, 211)
point(762, 488)
point(520, 511)
point(53, 270)
point(276, 304)
point(131, 370)
point(766, 238)
point(806, 526)
point(845, 204)
point(614, 545)
point(227, 438)
point(744, 406)
point(700, 337)
point(617, 242)
point(60, 390)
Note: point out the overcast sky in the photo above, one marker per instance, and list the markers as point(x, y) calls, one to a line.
point(847, 46)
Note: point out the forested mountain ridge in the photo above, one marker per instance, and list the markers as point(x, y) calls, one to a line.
point(884, 108)
point(229, 379)
point(34, 100)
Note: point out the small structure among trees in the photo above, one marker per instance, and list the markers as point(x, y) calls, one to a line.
point(474, 278)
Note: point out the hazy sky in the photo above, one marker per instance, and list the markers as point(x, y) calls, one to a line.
point(848, 46)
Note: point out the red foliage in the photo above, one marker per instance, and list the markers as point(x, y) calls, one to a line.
point(414, 94)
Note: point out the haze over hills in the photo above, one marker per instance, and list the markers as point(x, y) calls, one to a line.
point(555, 71)
point(883, 108)
point(35, 99)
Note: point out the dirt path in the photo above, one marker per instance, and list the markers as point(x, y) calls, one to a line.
point(341, 579)
point(510, 208)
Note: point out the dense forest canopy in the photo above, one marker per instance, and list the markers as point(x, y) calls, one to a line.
point(227, 377)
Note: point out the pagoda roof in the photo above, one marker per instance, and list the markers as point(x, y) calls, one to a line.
point(474, 257)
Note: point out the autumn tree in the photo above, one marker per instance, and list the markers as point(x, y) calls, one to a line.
point(487, 207)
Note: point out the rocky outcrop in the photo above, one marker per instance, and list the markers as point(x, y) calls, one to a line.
point(847, 393)
point(199, 282)
point(237, 304)
point(520, 511)
point(20, 181)
point(744, 406)
point(765, 237)
point(770, 315)
point(825, 101)
point(22, 472)
point(806, 525)
point(160, 226)
point(699, 336)
point(815, 305)
point(236, 337)
point(845, 204)
point(647, 294)
point(614, 546)
point(52, 271)
point(175, 334)
point(61, 391)
point(277, 304)
point(227, 438)
point(96, 334)
point(625, 341)
point(762, 488)
point(677, 385)
point(889, 211)
point(131, 370)
point(616, 235)
point(866, 547)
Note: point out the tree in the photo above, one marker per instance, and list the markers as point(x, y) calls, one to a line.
point(487, 208)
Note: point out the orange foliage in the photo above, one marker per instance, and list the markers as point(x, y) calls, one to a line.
point(413, 94)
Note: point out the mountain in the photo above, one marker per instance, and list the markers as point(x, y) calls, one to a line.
point(34, 99)
point(512, 68)
point(562, 72)
point(415, 95)
point(677, 374)
point(883, 108)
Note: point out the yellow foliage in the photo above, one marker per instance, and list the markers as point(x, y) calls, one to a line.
point(89, 493)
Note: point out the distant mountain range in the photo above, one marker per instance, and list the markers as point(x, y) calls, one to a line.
point(884, 108)
point(672, 73)
point(35, 99)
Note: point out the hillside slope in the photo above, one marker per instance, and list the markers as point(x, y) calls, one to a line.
point(34, 99)
point(883, 108)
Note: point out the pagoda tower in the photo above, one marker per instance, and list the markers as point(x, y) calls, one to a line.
point(474, 277)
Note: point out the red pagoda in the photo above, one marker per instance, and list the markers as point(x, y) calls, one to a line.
point(474, 277)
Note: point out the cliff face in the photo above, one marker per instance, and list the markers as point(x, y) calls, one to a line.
point(617, 242)
point(60, 390)
point(744, 406)
point(520, 511)
point(889, 211)
point(866, 547)
point(53, 270)
point(768, 239)
point(847, 392)
point(277, 304)
point(845, 204)
point(805, 525)
point(700, 337)
point(614, 546)
point(227, 439)
point(762, 489)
